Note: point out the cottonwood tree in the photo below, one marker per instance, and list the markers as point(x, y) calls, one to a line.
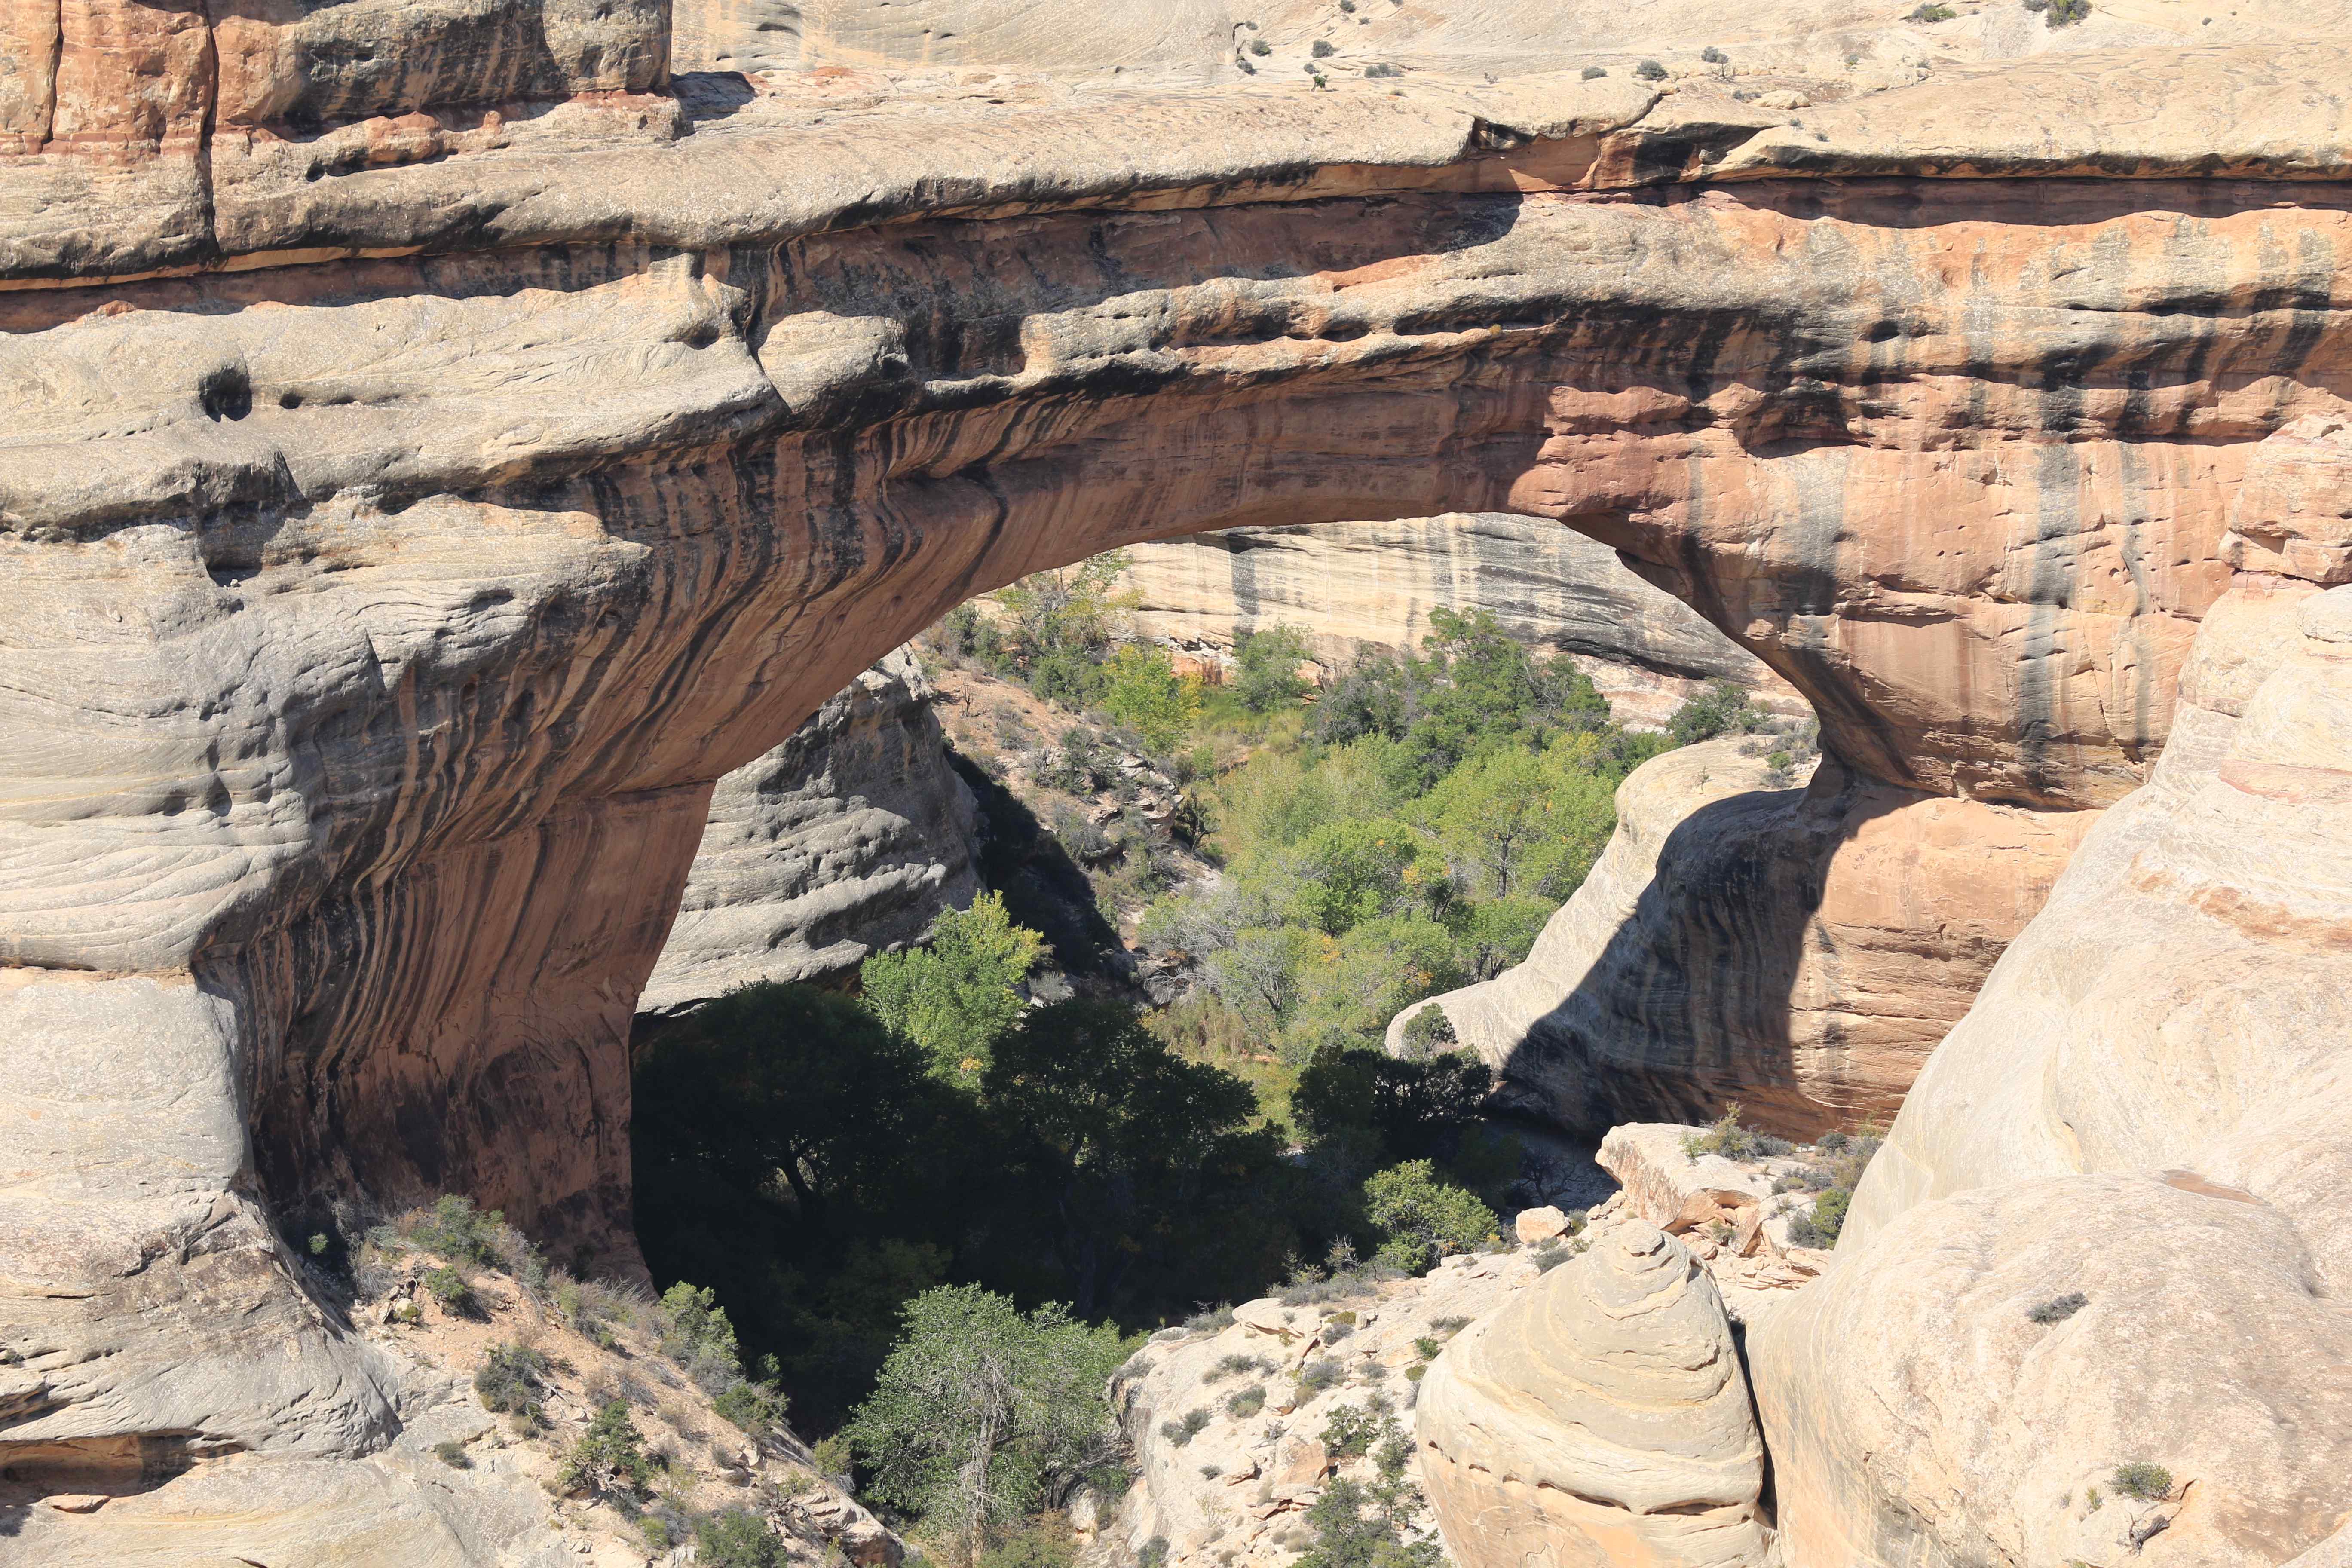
point(983, 1415)
point(955, 996)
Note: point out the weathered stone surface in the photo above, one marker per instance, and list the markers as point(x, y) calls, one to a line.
point(2141, 1106)
point(1346, 584)
point(849, 837)
point(1675, 1191)
point(1271, 1463)
point(408, 519)
point(1599, 1418)
point(1801, 951)
point(1539, 1224)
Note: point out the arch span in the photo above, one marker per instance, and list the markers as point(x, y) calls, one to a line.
point(369, 719)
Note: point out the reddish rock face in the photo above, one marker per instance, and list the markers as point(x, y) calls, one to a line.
point(408, 518)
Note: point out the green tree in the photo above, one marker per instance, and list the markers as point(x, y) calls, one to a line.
point(1516, 821)
point(983, 1414)
point(957, 995)
point(1266, 668)
point(1357, 1526)
point(1143, 691)
point(1125, 1143)
point(1406, 1110)
point(786, 1082)
point(1723, 709)
point(1350, 872)
point(1423, 1217)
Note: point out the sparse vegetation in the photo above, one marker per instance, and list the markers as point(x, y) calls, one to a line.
point(1733, 1141)
point(735, 1538)
point(1179, 1433)
point(1322, 50)
point(1649, 71)
point(609, 1459)
point(2146, 1482)
point(454, 1455)
point(2058, 1308)
point(1315, 1376)
point(1932, 13)
point(452, 1290)
point(1714, 56)
point(1244, 1403)
point(2066, 13)
point(1594, 73)
point(511, 1380)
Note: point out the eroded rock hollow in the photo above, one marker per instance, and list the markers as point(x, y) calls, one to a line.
point(437, 450)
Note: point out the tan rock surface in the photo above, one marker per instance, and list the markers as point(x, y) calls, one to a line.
point(1801, 951)
point(1270, 1465)
point(1601, 1418)
point(409, 516)
point(2140, 1108)
point(1350, 584)
point(849, 837)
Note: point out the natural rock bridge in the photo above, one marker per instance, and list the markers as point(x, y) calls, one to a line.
point(413, 503)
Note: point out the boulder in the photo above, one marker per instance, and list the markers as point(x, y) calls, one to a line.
point(1540, 1225)
point(1599, 1418)
point(1677, 1192)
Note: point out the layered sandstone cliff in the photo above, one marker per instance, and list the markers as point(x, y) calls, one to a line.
point(1347, 585)
point(1799, 951)
point(2140, 1112)
point(849, 839)
point(440, 446)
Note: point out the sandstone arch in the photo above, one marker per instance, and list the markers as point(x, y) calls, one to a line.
point(407, 522)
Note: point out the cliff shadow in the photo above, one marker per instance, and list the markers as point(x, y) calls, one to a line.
point(1689, 1003)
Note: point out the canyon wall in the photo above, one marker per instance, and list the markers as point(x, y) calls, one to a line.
point(438, 450)
point(1799, 951)
point(849, 839)
point(1346, 585)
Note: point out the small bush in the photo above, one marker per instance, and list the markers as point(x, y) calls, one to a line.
point(2058, 1308)
point(1182, 1432)
point(1429, 1033)
point(609, 1457)
point(1416, 1372)
point(1427, 1348)
point(1729, 1139)
point(832, 1456)
point(1422, 1216)
point(1714, 56)
point(1594, 73)
point(452, 1455)
point(510, 1379)
point(1449, 1327)
point(1649, 70)
point(1932, 13)
point(755, 1407)
point(1377, 71)
point(2149, 1483)
point(1349, 1432)
point(2066, 13)
point(1318, 1375)
point(1215, 1321)
point(1322, 50)
point(449, 1288)
point(735, 1538)
point(1244, 1403)
point(459, 1232)
point(1334, 1330)
point(1550, 1256)
point(1153, 1553)
point(1260, 46)
point(1832, 1143)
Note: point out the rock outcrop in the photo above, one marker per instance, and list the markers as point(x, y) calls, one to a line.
point(1348, 584)
point(1800, 951)
point(849, 837)
point(2140, 1110)
point(1601, 1418)
point(438, 448)
point(1234, 1492)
